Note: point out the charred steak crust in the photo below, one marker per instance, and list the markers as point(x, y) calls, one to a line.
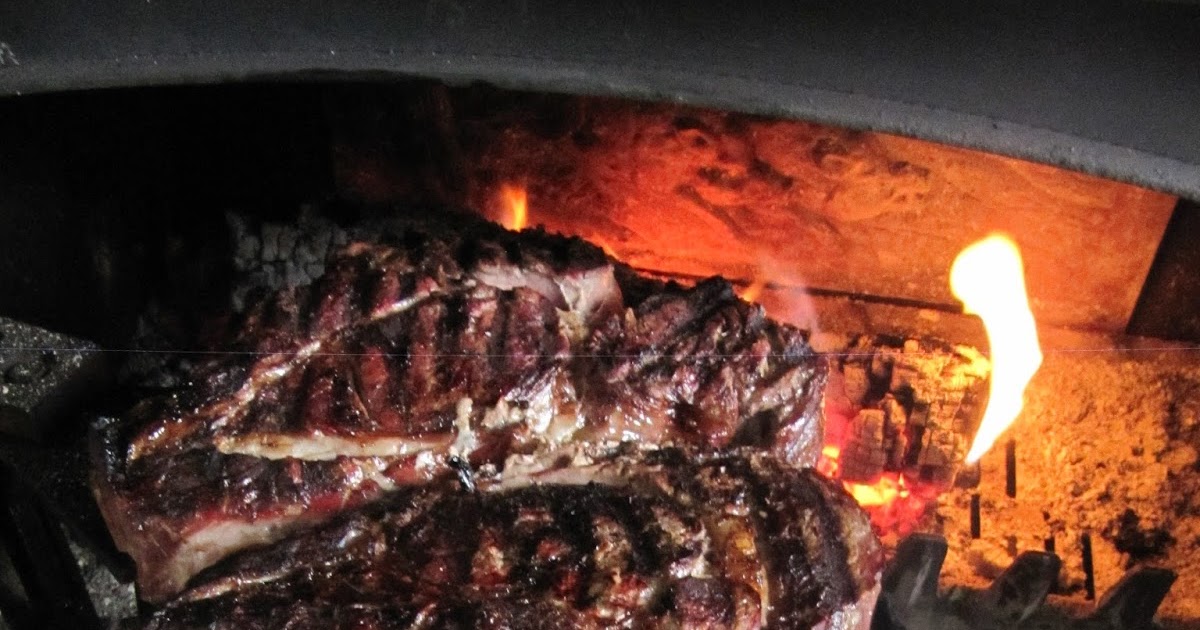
point(638, 546)
point(511, 353)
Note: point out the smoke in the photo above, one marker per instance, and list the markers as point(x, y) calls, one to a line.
point(785, 295)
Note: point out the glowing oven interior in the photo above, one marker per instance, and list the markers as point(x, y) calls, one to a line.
point(852, 235)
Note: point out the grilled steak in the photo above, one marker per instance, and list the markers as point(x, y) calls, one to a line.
point(501, 353)
point(733, 542)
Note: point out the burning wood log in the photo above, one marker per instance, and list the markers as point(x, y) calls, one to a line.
point(905, 406)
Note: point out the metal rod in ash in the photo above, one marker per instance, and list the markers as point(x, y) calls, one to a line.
point(1089, 571)
point(1010, 469)
point(975, 515)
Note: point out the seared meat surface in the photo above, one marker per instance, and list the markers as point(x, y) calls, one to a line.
point(428, 353)
point(664, 542)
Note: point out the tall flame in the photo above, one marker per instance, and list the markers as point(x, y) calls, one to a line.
point(515, 205)
point(989, 278)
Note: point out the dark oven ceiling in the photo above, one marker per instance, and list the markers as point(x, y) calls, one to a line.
point(1107, 90)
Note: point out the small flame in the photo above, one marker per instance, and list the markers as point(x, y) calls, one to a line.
point(516, 206)
point(603, 245)
point(751, 293)
point(989, 278)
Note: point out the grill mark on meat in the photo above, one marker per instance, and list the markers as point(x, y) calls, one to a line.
point(318, 402)
point(389, 287)
point(335, 294)
point(469, 363)
point(468, 535)
point(396, 408)
point(570, 526)
point(272, 408)
point(174, 431)
point(376, 376)
point(368, 284)
point(389, 419)
point(833, 569)
point(715, 396)
point(273, 321)
point(809, 573)
point(737, 547)
point(340, 424)
point(421, 549)
point(792, 596)
point(525, 549)
point(449, 352)
point(699, 304)
point(570, 517)
point(523, 341)
point(638, 520)
point(347, 417)
point(497, 358)
point(418, 387)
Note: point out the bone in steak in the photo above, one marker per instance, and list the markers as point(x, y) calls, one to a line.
point(731, 542)
point(510, 353)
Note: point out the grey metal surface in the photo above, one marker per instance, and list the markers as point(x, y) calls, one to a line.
point(42, 374)
point(1106, 88)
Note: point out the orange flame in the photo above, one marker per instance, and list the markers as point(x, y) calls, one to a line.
point(988, 277)
point(751, 293)
point(516, 206)
point(603, 245)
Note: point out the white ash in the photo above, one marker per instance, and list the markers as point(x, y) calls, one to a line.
point(113, 600)
point(1106, 445)
point(269, 256)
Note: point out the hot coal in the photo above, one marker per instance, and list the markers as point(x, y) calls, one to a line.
point(510, 353)
point(731, 542)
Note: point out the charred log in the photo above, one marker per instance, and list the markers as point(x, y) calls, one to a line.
point(909, 406)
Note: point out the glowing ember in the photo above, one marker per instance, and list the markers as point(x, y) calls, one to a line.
point(888, 489)
point(515, 205)
point(988, 277)
point(893, 506)
point(828, 463)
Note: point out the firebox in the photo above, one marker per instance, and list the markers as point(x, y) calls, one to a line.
point(983, 221)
